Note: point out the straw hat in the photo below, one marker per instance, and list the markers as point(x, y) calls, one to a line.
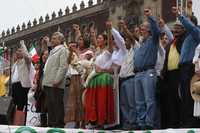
point(195, 88)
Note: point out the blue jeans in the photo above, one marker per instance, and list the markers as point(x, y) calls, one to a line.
point(145, 85)
point(127, 102)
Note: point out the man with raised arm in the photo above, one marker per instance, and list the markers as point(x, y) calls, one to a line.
point(145, 58)
point(187, 68)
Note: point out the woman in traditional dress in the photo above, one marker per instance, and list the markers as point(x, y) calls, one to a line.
point(73, 92)
point(79, 63)
point(99, 97)
point(102, 96)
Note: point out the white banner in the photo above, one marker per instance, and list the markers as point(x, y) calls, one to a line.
point(17, 129)
point(33, 118)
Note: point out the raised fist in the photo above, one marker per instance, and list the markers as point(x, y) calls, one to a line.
point(175, 10)
point(92, 32)
point(122, 24)
point(46, 39)
point(161, 22)
point(109, 24)
point(147, 12)
point(75, 27)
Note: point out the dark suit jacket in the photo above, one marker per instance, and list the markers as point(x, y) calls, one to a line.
point(179, 42)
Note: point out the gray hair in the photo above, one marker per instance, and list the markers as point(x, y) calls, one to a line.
point(147, 25)
point(60, 36)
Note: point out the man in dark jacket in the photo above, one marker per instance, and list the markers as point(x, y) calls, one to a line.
point(170, 100)
point(187, 68)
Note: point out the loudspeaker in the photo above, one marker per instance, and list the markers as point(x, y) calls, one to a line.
point(6, 110)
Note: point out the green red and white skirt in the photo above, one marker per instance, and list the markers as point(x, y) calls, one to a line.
point(99, 106)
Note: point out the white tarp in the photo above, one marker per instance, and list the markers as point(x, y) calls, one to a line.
point(18, 129)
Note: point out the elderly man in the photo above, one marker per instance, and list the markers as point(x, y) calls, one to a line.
point(187, 68)
point(145, 79)
point(54, 80)
point(21, 82)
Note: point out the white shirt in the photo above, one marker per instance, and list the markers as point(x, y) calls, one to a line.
point(51, 52)
point(127, 67)
point(15, 76)
point(160, 59)
point(197, 53)
point(103, 60)
point(196, 58)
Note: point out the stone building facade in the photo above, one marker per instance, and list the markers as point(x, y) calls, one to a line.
point(94, 14)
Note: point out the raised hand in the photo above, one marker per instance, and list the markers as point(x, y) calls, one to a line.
point(108, 24)
point(147, 12)
point(72, 47)
point(92, 32)
point(46, 39)
point(75, 27)
point(161, 23)
point(122, 24)
point(175, 10)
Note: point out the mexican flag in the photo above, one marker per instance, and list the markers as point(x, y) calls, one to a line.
point(35, 57)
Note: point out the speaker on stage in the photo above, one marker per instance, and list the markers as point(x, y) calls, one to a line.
point(6, 110)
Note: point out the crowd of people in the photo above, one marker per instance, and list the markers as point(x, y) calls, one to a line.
point(141, 78)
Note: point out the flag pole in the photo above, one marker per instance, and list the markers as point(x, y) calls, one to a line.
point(186, 8)
point(181, 7)
point(177, 5)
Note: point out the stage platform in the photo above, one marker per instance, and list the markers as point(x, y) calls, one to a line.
point(18, 129)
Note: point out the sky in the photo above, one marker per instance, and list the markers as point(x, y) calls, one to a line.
point(14, 12)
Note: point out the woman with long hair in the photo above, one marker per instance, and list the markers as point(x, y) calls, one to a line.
point(99, 97)
point(79, 58)
point(39, 94)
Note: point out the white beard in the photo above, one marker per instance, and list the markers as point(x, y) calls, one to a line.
point(141, 39)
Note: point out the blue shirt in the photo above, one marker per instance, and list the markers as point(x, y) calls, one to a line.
point(146, 54)
point(191, 41)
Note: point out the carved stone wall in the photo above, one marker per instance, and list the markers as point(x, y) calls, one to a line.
point(93, 14)
point(130, 10)
point(134, 11)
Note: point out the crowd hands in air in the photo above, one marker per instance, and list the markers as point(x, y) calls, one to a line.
point(148, 67)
